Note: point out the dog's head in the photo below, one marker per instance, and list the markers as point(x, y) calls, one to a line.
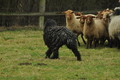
point(50, 23)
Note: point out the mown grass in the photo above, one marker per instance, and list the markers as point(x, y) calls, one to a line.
point(22, 55)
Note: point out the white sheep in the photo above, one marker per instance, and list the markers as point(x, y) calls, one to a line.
point(94, 30)
point(114, 29)
point(73, 24)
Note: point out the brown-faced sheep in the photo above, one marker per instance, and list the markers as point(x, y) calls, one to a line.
point(94, 30)
point(73, 24)
point(82, 21)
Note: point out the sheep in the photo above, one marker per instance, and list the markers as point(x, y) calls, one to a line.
point(73, 24)
point(114, 28)
point(103, 15)
point(99, 15)
point(94, 30)
point(55, 37)
point(82, 21)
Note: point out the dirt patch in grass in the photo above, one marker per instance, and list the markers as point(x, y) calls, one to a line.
point(25, 63)
point(40, 64)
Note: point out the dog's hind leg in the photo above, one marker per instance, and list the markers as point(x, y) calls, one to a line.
point(55, 54)
point(73, 47)
point(48, 53)
point(77, 54)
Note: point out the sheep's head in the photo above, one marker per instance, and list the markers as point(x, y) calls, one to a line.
point(68, 14)
point(78, 13)
point(99, 15)
point(89, 19)
point(105, 13)
point(82, 19)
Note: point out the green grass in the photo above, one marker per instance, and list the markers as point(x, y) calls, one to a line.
point(22, 55)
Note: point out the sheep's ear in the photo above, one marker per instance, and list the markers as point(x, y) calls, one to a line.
point(98, 11)
point(72, 12)
point(80, 13)
point(77, 17)
point(93, 17)
point(111, 10)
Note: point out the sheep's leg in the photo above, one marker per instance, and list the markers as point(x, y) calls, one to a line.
point(55, 54)
point(108, 42)
point(111, 43)
point(78, 42)
point(83, 39)
point(118, 43)
point(87, 43)
point(95, 42)
point(102, 41)
point(90, 43)
point(77, 54)
point(48, 53)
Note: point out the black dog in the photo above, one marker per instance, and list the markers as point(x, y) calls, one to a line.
point(55, 37)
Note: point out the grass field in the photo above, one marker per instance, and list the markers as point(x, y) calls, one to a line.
point(22, 55)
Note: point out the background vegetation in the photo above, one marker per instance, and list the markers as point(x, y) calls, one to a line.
point(22, 55)
point(26, 6)
point(22, 52)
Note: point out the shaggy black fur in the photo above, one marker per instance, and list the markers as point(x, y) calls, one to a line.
point(55, 37)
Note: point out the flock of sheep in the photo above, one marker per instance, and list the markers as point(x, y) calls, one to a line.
point(95, 28)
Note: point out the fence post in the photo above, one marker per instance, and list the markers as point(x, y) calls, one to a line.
point(41, 9)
